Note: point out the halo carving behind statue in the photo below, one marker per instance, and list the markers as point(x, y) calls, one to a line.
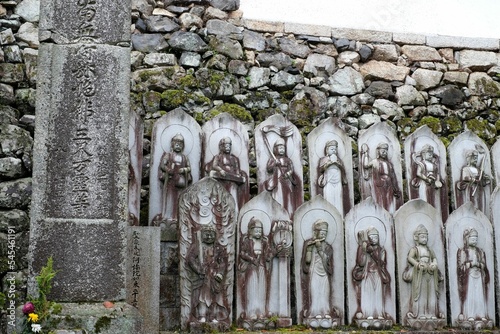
point(170, 131)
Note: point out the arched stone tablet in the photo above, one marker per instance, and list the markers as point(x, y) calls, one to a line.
point(495, 221)
point(175, 164)
point(425, 161)
point(330, 165)
point(421, 266)
point(207, 231)
point(135, 144)
point(263, 273)
point(319, 264)
point(226, 155)
point(278, 147)
point(469, 239)
point(371, 287)
point(495, 159)
point(470, 166)
point(380, 166)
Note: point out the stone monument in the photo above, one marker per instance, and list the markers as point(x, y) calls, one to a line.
point(469, 239)
point(278, 147)
point(175, 164)
point(319, 264)
point(136, 134)
point(80, 175)
point(226, 155)
point(470, 172)
point(495, 221)
point(421, 263)
point(425, 161)
point(370, 266)
point(380, 166)
point(330, 165)
point(207, 228)
point(263, 273)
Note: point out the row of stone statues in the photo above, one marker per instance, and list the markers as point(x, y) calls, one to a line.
point(256, 246)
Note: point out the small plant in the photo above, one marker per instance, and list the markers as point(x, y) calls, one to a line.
point(38, 310)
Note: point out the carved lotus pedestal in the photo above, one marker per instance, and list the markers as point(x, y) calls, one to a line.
point(474, 324)
point(425, 323)
point(257, 324)
point(373, 323)
point(208, 327)
point(317, 323)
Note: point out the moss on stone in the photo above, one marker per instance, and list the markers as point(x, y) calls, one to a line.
point(102, 324)
point(301, 112)
point(173, 98)
point(452, 124)
point(188, 81)
point(482, 128)
point(234, 110)
point(406, 126)
point(432, 122)
point(489, 87)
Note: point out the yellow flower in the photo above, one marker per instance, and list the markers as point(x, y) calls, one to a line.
point(33, 317)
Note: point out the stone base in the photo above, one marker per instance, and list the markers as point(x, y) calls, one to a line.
point(325, 323)
point(283, 322)
point(426, 324)
point(92, 318)
point(208, 327)
point(257, 324)
point(475, 324)
point(371, 323)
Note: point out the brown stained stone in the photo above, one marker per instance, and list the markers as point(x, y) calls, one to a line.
point(417, 53)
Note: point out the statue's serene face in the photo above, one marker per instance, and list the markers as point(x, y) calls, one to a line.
point(422, 238)
point(473, 240)
point(208, 237)
point(473, 159)
point(373, 238)
point(321, 234)
point(331, 150)
point(257, 232)
point(227, 147)
point(428, 155)
point(177, 146)
point(281, 150)
point(382, 153)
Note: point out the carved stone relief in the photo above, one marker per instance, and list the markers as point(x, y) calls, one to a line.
point(470, 172)
point(136, 134)
point(278, 146)
point(263, 293)
point(425, 160)
point(495, 159)
point(319, 265)
point(495, 221)
point(226, 155)
point(330, 165)
point(175, 161)
point(419, 241)
point(207, 223)
point(469, 237)
point(370, 266)
point(380, 167)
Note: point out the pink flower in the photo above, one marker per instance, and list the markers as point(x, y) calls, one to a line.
point(28, 308)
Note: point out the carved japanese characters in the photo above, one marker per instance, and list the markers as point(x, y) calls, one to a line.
point(175, 164)
point(207, 251)
point(226, 155)
point(370, 255)
point(425, 160)
point(422, 290)
point(278, 150)
point(330, 160)
point(470, 264)
point(318, 268)
point(470, 171)
point(380, 167)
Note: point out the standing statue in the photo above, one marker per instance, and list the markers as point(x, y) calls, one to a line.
point(473, 279)
point(175, 173)
point(427, 179)
point(385, 188)
point(225, 167)
point(370, 276)
point(207, 261)
point(283, 180)
point(332, 178)
point(473, 181)
point(255, 256)
point(423, 274)
point(317, 272)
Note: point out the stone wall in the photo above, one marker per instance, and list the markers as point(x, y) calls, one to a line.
point(196, 56)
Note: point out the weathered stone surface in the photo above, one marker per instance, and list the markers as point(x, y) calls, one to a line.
point(462, 42)
point(142, 6)
point(362, 35)
point(307, 29)
point(15, 194)
point(264, 26)
point(187, 41)
point(258, 77)
point(143, 281)
point(17, 218)
point(292, 47)
point(409, 95)
point(8, 115)
point(28, 33)
point(319, 65)
point(6, 94)
point(408, 38)
point(284, 80)
point(348, 58)
point(29, 10)
point(238, 67)
point(346, 81)
point(387, 109)
point(367, 120)
point(420, 53)
point(449, 95)
point(477, 60)
point(14, 141)
point(160, 59)
point(365, 52)
point(380, 89)
point(460, 78)
point(278, 60)
point(211, 13)
point(190, 59)
point(253, 41)
point(385, 52)
point(7, 37)
point(381, 70)
point(149, 42)
point(220, 27)
point(11, 73)
point(343, 106)
point(225, 5)
point(30, 59)
point(11, 168)
point(189, 20)
point(227, 46)
point(160, 24)
point(427, 78)
point(12, 54)
point(25, 100)
point(481, 83)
